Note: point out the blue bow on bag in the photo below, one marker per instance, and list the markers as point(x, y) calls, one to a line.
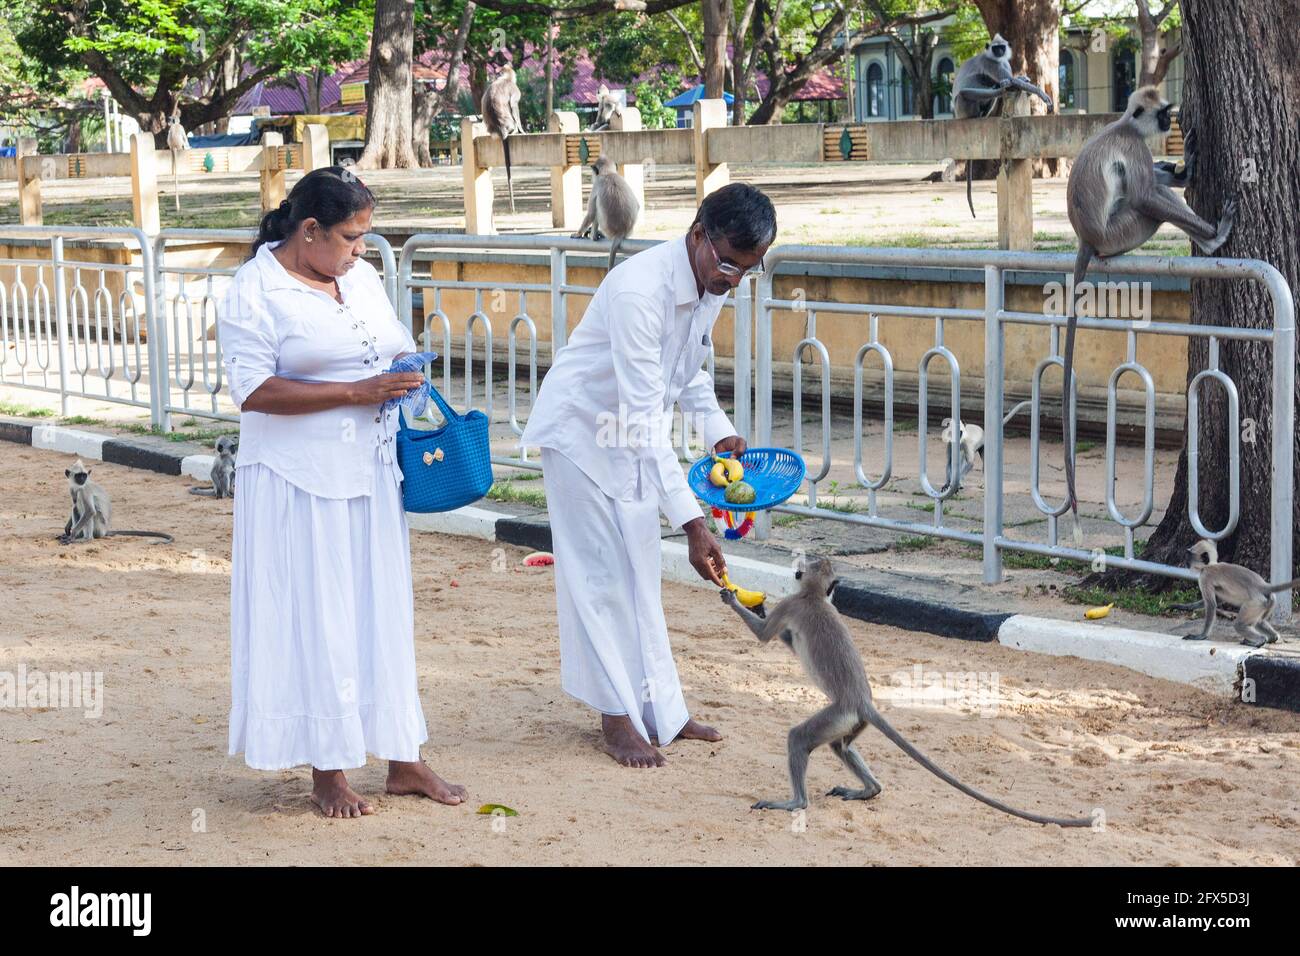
point(442, 468)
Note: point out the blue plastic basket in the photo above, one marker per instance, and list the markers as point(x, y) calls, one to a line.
point(774, 473)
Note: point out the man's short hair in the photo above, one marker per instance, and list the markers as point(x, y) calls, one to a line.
point(739, 213)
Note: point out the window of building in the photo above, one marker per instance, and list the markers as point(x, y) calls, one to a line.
point(943, 86)
point(875, 90)
point(1067, 80)
point(1123, 73)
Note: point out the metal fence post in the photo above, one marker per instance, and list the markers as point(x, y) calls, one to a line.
point(763, 385)
point(993, 385)
point(1283, 437)
point(559, 315)
point(155, 323)
point(741, 350)
point(60, 319)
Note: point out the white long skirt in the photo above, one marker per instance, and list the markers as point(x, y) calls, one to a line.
point(322, 649)
point(614, 650)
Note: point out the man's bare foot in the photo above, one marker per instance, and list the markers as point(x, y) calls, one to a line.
point(330, 792)
point(694, 730)
point(625, 745)
point(415, 777)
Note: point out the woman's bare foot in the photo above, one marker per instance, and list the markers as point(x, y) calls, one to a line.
point(694, 730)
point(330, 792)
point(625, 745)
point(415, 777)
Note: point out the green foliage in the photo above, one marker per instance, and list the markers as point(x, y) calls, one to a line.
point(650, 97)
point(149, 43)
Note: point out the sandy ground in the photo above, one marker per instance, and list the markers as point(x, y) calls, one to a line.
point(1182, 777)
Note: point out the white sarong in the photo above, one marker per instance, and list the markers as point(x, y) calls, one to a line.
point(322, 651)
point(614, 651)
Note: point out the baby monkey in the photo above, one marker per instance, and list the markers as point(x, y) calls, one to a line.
point(92, 510)
point(223, 470)
point(1238, 586)
point(809, 625)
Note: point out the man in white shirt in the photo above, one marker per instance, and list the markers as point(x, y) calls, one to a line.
point(603, 422)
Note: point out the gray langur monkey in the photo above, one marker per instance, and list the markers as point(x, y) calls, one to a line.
point(92, 510)
point(1236, 585)
point(970, 444)
point(606, 109)
point(980, 85)
point(223, 470)
point(501, 116)
point(1116, 198)
point(809, 625)
point(612, 209)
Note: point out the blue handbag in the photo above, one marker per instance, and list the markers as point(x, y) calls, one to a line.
point(447, 467)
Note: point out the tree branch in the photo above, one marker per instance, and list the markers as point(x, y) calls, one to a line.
point(690, 40)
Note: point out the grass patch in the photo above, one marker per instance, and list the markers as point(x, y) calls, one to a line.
point(787, 521)
point(506, 491)
point(916, 542)
point(1132, 599)
point(25, 411)
point(81, 420)
point(1082, 446)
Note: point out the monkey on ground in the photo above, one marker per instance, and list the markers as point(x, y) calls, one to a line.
point(612, 209)
point(223, 470)
point(501, 116)
point(1236, 585)
point(1117, 197)
point(970, 444)
point(92, 510)
point(980, 85)
point(606, 109)
point(809, 625)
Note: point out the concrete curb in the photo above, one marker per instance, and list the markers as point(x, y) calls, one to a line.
point(1261, 678)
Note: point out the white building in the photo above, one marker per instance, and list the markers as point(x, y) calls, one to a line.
point(1097, 74)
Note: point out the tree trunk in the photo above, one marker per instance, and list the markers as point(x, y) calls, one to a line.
point(1153, 63)
point(389, 91)
point(451, 92)
point(1234, 48)
point(1032, 27)
point(314, 80)
point(715, 13)
point(423, 109)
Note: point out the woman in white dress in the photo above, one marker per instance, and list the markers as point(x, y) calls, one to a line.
point(321, 619)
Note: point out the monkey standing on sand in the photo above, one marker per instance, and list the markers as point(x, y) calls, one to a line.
point(1117, 197)
point(1238, 586)
point(223, 470)
point(612, 209)
point(92, 510)
point(501, 116)
point(809, 625)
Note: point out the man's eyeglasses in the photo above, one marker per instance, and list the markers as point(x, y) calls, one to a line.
point(726, 268)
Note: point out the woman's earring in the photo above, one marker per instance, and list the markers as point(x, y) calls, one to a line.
point(308, 238)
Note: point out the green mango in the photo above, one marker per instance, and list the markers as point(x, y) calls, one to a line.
point(739, 493)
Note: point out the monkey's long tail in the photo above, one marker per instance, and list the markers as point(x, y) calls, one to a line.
point(510, 183)
point(166, 538)
point(969, 201)
point(1289, 586)
point(878, 721)
point(613, 252)
point(1081, 261)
